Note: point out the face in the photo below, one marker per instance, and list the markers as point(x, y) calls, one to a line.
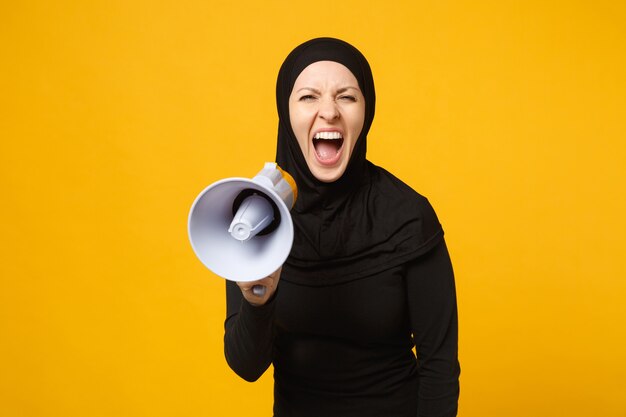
point(327, 111)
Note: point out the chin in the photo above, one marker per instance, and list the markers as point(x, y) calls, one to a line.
point(327, 175)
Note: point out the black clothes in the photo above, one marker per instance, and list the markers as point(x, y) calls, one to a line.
point(345, 350)
point(368, 278)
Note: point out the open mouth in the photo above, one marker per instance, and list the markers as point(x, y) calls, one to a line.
point(327, 145)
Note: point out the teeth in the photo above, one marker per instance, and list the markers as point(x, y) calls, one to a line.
point(327, 135)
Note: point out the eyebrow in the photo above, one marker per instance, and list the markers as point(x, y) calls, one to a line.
point(344, 89)
point(339, 91)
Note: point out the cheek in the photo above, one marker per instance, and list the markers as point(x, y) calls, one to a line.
point(302, 141)
point(299, 127)
point(357, 120)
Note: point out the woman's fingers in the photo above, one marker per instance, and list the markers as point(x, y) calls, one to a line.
point(258, 292)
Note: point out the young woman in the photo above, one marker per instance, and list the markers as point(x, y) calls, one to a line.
point(369, 276)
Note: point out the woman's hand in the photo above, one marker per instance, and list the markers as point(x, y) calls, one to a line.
point(258, 292)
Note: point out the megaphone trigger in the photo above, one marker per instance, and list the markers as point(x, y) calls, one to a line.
point(259, 290)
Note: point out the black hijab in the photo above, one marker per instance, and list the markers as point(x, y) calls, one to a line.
point(366, 221)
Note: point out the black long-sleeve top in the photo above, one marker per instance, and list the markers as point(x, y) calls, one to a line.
point(347, 349)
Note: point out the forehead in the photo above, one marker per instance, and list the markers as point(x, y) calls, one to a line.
point(323, 73)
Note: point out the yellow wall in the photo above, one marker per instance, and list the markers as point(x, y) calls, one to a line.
point(509, 116)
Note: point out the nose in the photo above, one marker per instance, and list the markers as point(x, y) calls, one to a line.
point(328, 110)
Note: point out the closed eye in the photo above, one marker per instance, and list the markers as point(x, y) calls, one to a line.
point(307, 97)
point(347, 98)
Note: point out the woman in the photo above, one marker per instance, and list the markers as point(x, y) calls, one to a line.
point(368, 277)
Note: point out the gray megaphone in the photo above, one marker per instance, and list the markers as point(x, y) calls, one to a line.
point(241, 228)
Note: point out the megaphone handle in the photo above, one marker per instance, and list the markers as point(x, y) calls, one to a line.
point(259, 290)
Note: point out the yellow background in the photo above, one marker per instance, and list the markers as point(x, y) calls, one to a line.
point(509, 116)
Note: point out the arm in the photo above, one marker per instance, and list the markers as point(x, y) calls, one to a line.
point(249, 334)
point(433, 311)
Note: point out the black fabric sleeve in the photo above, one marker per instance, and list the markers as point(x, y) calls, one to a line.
point(433, 310)
point(249, 334)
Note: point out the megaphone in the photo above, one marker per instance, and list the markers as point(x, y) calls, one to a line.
point(241, 228)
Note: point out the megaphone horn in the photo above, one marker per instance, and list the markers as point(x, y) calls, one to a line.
point(241, 228)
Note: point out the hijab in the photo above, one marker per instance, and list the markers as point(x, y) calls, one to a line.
point(365, 222)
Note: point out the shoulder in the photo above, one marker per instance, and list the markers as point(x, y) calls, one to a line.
point(404, 201)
